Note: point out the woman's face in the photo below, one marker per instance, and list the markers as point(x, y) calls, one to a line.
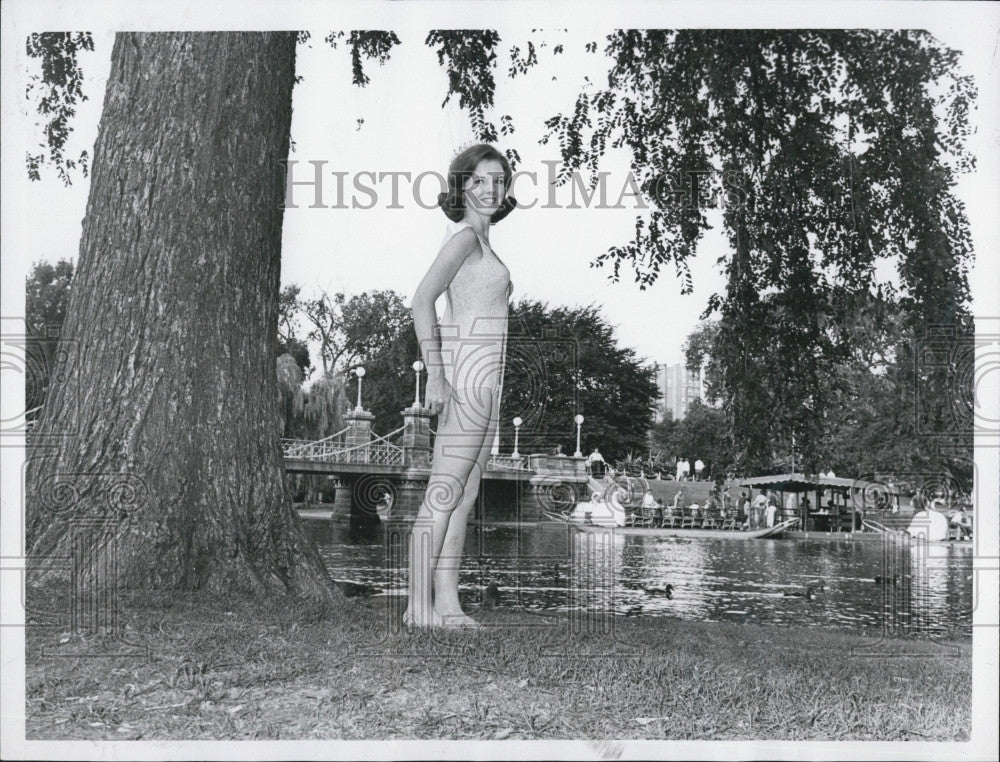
point(484, 190)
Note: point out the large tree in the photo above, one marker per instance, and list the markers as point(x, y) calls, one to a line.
point(168, 418)
point(827, 152)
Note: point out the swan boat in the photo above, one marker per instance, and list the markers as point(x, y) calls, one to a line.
point(606, 510)
point(928, 526)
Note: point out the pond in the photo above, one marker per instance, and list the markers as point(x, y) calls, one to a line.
point(552, 567)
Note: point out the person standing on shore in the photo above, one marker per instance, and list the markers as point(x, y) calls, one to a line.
point(678, 499)
point(699, 467)
point(742, 515)
point(961, 522)
point(791, 505)
point(464, 356)
point(757, 511)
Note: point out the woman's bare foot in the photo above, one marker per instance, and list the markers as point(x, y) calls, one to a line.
point(422, 618)
point(457, 619)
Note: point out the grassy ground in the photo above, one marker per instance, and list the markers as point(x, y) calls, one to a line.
point(218, 669)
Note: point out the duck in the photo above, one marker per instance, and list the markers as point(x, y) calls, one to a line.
point(808, 594)
point(667, 591)
point(356, 590)
point(491, 596)
point(893, 580)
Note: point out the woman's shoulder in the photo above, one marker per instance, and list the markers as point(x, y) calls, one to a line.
point(462, 232)
point(461, 237)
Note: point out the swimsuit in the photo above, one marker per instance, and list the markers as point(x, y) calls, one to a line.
point(474, 326)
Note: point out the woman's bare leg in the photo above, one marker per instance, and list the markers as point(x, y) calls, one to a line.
point(456, 451)
point(446, 573)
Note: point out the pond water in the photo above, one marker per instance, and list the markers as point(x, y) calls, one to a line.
point(551, 567)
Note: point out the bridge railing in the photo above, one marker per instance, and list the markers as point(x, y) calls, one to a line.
point(507, 463)
point(379, 451)
point(291, 446)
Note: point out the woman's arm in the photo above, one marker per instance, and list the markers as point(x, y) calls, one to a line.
point(453, 254)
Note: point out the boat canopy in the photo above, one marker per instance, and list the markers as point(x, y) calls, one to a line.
point(807, 483)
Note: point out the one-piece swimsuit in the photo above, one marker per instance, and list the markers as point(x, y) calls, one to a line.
point(474, 325)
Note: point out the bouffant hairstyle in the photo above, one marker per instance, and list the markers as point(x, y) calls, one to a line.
point(462, 167)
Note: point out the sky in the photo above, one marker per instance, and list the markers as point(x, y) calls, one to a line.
point(405, 128)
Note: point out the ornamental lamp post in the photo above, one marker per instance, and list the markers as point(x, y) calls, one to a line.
point(360, 373)
point(579, 422)
point(417, 367)
point(517, 428)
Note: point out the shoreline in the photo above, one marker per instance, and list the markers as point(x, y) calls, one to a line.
point(326, 514)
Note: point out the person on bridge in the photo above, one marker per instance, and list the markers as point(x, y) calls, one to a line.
point(464, 355)
point(595, 464)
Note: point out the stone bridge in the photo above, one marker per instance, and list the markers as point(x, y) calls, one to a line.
point(364, 469)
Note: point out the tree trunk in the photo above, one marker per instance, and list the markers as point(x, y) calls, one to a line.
point(164, 423)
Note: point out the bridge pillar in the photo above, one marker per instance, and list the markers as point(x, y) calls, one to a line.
point(409, 496)
point(537, 497)
point(416, 440)
point(359, 432)
point(341, 498)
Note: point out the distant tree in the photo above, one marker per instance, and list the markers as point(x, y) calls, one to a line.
point(298, 350)
point(322, 315)
point(351, 330)
point(566, 360)
point(888, 414)
point(371, 322)
point(289, 339)
point(291, 396)
point(326, 402)
point(662, 440)
point(389, 378)
point(47, 290)
point(701, 433)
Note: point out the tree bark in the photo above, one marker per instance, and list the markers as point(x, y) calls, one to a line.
point(164, 428)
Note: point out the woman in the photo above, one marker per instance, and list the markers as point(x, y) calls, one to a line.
point(464, 356)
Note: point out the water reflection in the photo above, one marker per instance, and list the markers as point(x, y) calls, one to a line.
point(552, 567)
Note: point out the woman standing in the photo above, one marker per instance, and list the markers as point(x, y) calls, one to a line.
point(464, 355)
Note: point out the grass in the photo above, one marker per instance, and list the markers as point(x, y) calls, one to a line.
point(219, 669)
